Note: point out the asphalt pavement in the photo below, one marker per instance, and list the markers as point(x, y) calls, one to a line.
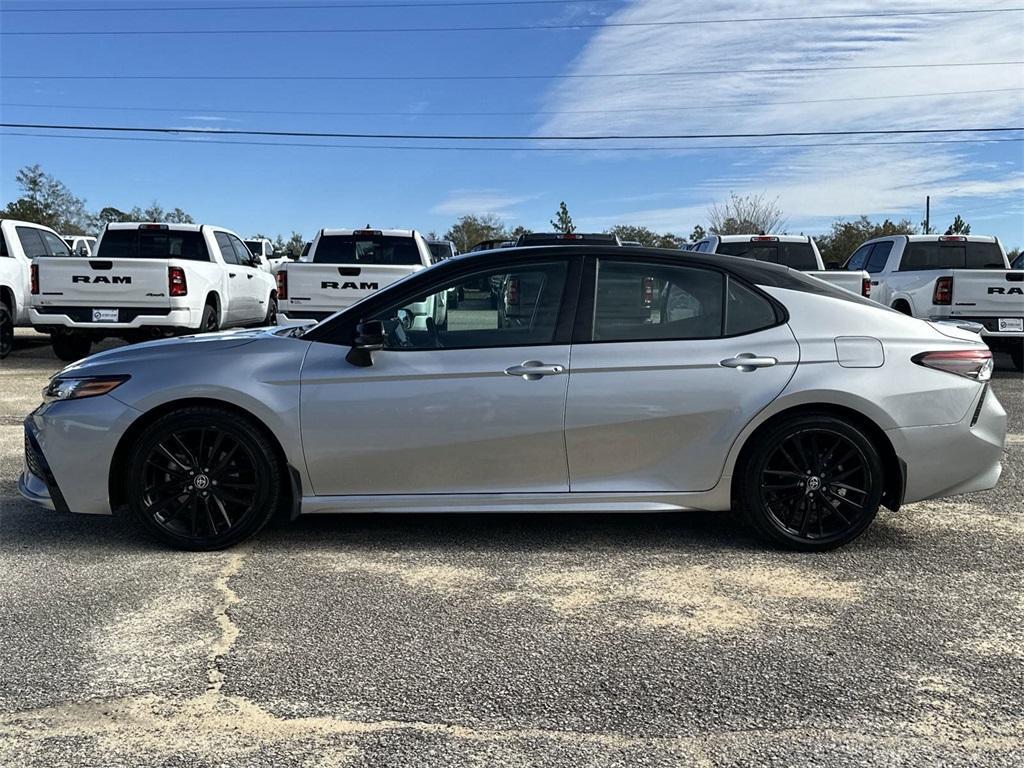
point(511, 640)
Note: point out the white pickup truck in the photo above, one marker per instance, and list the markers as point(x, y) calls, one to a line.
point(20, 242)
point(148, 280)
point(798, 252)
point(958, 278)
point(344, 266)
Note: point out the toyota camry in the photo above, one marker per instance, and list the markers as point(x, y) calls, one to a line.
point(572, 379)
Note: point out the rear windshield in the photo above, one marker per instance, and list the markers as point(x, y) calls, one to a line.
point(951, 255)
point(366, 249)
point(255, 247)
point(440, 251)
point(794, 255)
point(152, 244)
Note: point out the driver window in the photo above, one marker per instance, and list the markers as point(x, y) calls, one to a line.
point(499, 308)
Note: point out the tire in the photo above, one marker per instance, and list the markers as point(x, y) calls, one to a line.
point(211, 320)
point(1017, 355)
point(902, 307)
point(271, 318)
point(203, 479)
point(811, 483)
point(6, 332)
point(70, 347)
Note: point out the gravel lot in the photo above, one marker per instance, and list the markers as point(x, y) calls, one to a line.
point(510, 640)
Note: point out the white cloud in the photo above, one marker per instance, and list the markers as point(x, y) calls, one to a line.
point(813, 184)
point(465, 201)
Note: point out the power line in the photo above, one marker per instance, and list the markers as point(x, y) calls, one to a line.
point(351, 113)
point(316, 6)
point(505, 28)
point(498, 137)
point(580, 76)
point(464, 148)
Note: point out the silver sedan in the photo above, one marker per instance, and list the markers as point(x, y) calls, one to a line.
point(581, 378)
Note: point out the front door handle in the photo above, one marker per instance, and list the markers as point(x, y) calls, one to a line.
point(231, 274)
point(249, 276)
point(532, 370)
point(748, 362)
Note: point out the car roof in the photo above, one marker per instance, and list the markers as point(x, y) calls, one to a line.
point(385, 232)
point(162, 224)
point(749, 238)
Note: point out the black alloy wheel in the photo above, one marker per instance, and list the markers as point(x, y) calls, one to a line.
point(6, 332)
point(211, 321)
point(203, 479)
point(813, 483)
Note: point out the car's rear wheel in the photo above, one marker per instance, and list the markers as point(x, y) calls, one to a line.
point(202, 478)
point(70, 347)
point(812, 482)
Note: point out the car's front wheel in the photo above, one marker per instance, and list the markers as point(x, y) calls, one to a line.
point(812, 482)
point(202, 478)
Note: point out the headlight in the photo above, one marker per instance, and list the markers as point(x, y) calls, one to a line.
point(76, 388)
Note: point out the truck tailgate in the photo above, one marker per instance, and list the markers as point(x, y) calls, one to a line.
point(988, 293)
point(335, 286)
point(100, 284)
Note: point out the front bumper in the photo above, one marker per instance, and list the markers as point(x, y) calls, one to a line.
point(954, 458)
point(78, 319)
point(69, 449)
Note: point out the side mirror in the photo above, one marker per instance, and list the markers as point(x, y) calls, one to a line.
point(370, 336)
point(82, 251)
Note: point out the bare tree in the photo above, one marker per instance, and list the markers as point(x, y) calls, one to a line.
point(749, 215)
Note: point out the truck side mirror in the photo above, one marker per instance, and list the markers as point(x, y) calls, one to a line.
point(370, 337)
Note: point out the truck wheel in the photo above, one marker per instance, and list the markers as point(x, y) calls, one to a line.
point(211, 320)
point(6, 332)
point(271, 318)
point(902, 306)
point(70, 347)
point(1017, 355)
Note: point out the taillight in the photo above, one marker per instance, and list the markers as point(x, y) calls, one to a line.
point(647, 291)
point(865, 287)
point(943, 293)
point(513, 290)
point(282, 285)
point(952, 239)
point(34, 270)
point(973, 363)
point(176, 284)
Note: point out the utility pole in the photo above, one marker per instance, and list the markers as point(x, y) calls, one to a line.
point(927, 214)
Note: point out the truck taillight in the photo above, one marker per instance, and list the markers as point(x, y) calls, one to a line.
point(952, 239)
point(282, 285)
point(34, 270)
point(973, 363)
point(176, 283)
point(513, 290)
point(865, 287)
point(647, 292)
point(943, 293)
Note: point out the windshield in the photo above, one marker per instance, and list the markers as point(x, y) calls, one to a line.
point(152, 244)
point(951, 255)
point(366, 249)
point(798, 256)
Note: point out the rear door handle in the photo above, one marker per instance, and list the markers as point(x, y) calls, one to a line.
point(249, 276)
point(231, 274)
point(748, 362)
point(532, 370)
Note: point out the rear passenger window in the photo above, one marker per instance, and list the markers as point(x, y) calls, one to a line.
point(859, 259)
point(31, 242)
point(745, 310)
point(879, 256)
point(638, 301)
point(53, 244)
point(226, 249)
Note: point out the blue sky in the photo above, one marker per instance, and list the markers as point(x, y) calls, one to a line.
point(279, 189)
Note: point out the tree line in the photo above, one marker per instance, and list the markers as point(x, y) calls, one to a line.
point(46, 200)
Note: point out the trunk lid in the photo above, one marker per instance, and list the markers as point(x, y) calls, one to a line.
point(101, 283)
point(336, 286)
point(987, 293)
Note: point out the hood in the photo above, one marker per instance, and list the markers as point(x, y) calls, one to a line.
point(168, 348)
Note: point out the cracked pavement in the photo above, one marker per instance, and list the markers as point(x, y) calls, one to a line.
point(512, 640)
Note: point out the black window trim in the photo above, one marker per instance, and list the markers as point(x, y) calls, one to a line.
point(342, 330)
point(584, 330)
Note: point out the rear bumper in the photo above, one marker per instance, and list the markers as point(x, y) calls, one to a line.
point(954, 458)
point(46, 319)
